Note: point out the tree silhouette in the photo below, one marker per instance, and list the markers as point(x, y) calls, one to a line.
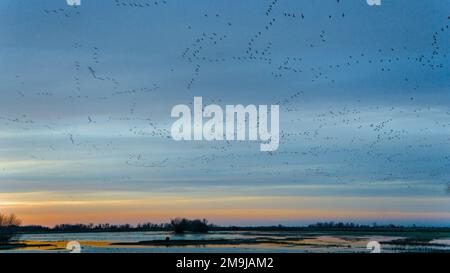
point(8, 224)
point(181, 225)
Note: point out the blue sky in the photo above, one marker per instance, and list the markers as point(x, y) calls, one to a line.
point(86, 94)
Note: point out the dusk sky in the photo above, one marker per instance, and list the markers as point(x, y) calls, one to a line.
point(86, 94)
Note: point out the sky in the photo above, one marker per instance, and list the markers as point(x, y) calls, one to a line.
point(86, 94)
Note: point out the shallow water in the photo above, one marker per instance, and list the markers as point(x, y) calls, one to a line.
point(273, 242)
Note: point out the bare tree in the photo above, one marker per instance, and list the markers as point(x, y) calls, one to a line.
point(7, 225)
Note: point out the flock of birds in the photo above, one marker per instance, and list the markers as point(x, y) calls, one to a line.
point(307, 137)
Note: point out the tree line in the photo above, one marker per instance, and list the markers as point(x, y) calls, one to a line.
point(10, 225)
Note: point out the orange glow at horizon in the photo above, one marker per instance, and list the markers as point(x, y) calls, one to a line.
point(50, 209)
point(219, 216)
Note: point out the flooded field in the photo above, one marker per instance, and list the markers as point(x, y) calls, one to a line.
point(231, 241)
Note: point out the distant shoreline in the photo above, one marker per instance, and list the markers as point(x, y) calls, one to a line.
point(380, 229)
